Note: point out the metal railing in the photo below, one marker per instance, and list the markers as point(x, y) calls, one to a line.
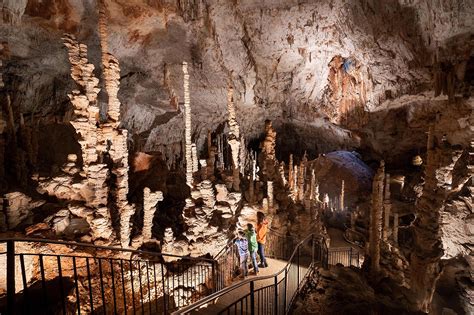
point(227, 260)
point(346, 256)
point(272, 294)
point(49, 277)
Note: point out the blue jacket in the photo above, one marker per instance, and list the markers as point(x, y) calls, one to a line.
point(242, 246)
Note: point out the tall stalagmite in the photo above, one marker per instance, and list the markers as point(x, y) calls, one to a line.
point(187, 128)
point(233, 139)
point(387, 206)
point(150, 201)
point(376, 218)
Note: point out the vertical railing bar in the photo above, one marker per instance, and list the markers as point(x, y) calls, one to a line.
point(112, 274)
point(123, 288)
point(140, 282)
point(156, 289)
point(76, 284)
point(102, 286)
point(133, 291)
point(90, 284)
point(43, 282)
point(252, 298)
point(148, 285)
point(10, 277)
point(165, 311)
point(25, 286)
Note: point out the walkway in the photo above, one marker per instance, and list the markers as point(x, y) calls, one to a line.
point(340, 250)
point(222, 302)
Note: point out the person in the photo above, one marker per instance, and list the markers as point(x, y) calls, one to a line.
point(262, 227)
point(242, 248)
point(252, 241)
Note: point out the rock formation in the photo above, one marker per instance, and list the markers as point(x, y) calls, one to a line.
point(150, 202)
point(234, 139)
point(376, 218)
point(187, 128)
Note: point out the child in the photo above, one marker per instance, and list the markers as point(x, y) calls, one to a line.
point(252, 241)
point(262, 227)
point(242, 247)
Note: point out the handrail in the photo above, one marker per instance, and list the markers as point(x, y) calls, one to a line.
point(111, 248)
point(219, 293)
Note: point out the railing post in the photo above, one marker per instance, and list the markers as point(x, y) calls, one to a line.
point(252, 298)
point(298, 269)
point(10, 277)
point(350, 258)
point(214, 278)
point(284, 296)
point(276, 295)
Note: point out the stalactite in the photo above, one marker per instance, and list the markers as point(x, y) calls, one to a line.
point(187, 128)
point(386, 209)
point(376, 218)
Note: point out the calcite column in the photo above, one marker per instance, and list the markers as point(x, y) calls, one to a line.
point(387, 206)
point(312, 185)
point(281, 170)
point(295, 182)
point(341, 198)
point(376, 218)
point(270, 194)
point(243, 156)
point(187, 128)
point(195, 158)
point(269, 142)
point(290, 173)
point(300, 182)
point(86, 112)
point(395, 228)
point(233, 139)
point(150, 201)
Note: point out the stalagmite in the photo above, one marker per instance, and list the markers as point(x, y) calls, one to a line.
point(243, 156)
point(301, 182)
point(233, 139)
point(195, 158)
point(376, 218)
point(295, 182)
point(395, 228)
point(281, 170)
point(270, 194)
point(254, 167)
point(269, 143)
point(187, 128)
point(341, 198)
point(150, 201)
point(386, 208)
point(290, 173)
point(312, 185)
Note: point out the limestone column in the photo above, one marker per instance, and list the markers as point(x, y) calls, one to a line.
point(301, 172)
point(295, 184)
point(376, 218)
point(341, 199)
point(234, 139)
point(312, 185)
point(281, 170)
point(150, 201)
point(270, 194)
point(290, 173)
point(187, 128)
point(386, 208)
point(395, 228)
point(195, 158)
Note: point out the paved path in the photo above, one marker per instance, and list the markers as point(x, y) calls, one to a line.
point(274, 266)
point(337, 254)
